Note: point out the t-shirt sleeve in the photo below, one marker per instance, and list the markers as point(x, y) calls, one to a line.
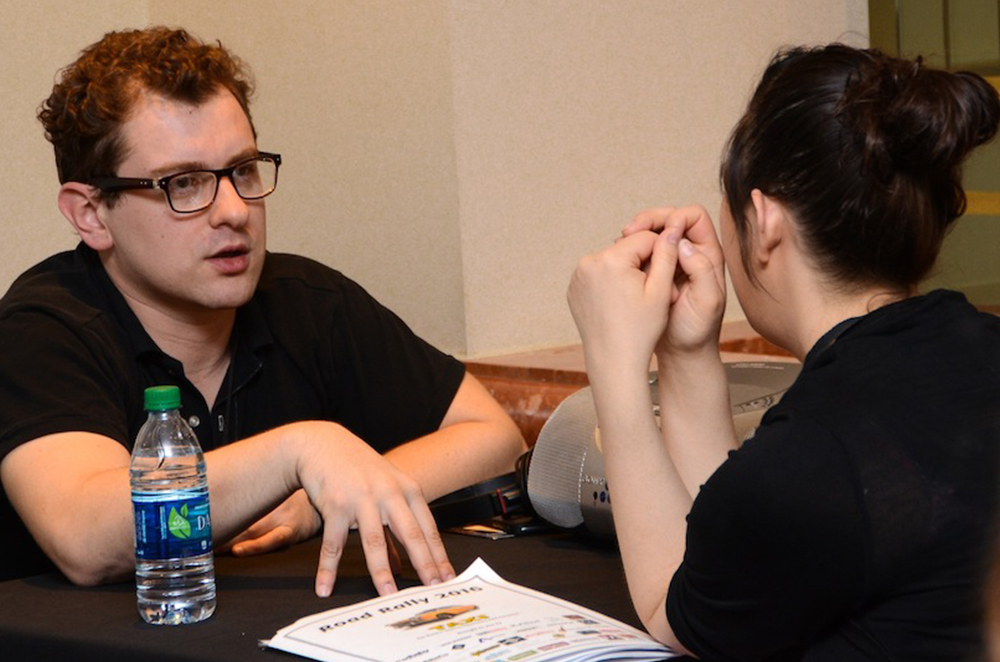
point(55, 378)
point(398, 386)
point(775, 547)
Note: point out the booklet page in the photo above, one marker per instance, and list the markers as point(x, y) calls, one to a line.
point(476, 616)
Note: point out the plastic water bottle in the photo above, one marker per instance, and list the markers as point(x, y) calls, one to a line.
point(174, 570)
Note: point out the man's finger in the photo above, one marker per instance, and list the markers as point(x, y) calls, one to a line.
point(274, 539)
point(424, 517)
point(332, 550)
point(376, 547)
point(423, 545)
point(395, 561)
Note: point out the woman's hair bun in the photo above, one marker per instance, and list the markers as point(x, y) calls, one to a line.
point(866, 150)
point(916, 120)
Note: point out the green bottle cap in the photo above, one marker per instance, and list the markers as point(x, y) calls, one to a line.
point(161, 398)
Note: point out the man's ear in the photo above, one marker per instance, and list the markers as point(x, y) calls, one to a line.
point(771, 225)
point(81, 206)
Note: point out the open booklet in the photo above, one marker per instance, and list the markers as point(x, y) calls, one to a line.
point(476, 616)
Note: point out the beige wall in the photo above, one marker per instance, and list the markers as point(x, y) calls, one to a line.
point(456, 158)
point(38, 38)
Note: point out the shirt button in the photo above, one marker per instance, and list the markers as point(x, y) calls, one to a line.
point(194, 421)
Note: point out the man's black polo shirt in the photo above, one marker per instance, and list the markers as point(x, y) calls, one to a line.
point(310, 345)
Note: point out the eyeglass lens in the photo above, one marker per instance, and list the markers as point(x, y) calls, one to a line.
point(192, 191)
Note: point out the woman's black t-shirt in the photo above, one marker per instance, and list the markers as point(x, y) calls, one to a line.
point(855, 524)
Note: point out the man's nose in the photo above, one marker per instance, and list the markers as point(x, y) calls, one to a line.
point(229, 207)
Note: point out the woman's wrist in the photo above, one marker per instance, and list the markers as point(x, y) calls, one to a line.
point(686, 373)
point(616, 366)
point(688, 356)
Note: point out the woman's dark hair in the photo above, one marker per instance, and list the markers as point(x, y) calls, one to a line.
point(866, 151)
point(95, 94)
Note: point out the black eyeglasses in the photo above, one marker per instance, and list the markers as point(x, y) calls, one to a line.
point(195, 190)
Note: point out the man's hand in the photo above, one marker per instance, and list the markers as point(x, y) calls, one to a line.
point(292, 522)
point(350, 484)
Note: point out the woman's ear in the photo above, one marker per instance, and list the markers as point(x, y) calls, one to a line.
point(771, 225)
point(81, 206)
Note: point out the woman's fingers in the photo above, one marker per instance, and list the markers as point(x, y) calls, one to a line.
point(662, 265)
point(697, 312)
point(701, 275)
point(653, 220)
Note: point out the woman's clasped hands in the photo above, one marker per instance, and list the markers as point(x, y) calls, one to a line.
point(659, 288)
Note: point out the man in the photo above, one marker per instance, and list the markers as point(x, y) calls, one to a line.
point(293, 378)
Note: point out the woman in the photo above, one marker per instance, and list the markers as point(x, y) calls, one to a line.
point(853, 525)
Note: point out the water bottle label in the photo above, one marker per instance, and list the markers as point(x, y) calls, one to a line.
point(171, 526)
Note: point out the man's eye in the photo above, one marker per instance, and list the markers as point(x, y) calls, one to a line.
point(247, 175)
point(189, 184)
point(183, 182)
point(245, 169)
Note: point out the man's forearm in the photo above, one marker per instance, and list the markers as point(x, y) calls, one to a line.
point(459, 455)
point(477, 441)
point(248, 479)
point(72, 492)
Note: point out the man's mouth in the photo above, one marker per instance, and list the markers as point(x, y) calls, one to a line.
point(231, 260)
point(235, 252)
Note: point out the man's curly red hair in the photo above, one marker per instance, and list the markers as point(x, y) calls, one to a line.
point(94, 95)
